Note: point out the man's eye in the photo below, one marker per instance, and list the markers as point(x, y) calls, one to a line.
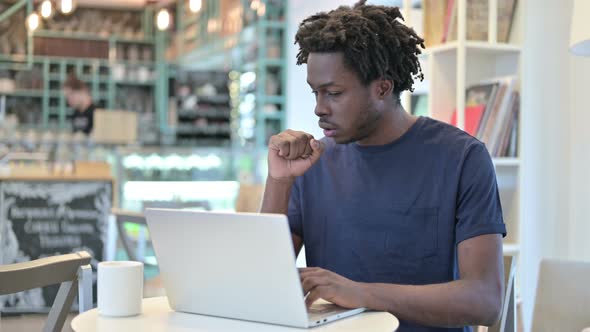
point(334, 93)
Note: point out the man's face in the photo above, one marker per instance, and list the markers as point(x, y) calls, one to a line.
point(344, 105)
point(73, 97)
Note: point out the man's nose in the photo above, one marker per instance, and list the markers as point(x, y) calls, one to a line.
point(321, 108)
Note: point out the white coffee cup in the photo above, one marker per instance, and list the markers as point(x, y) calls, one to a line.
point(120, 288)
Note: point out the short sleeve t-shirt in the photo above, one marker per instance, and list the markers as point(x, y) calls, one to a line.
point(395, 213)
point(83, 121)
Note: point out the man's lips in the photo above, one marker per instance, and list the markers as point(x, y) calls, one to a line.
point(329, 129)
point(329, 132)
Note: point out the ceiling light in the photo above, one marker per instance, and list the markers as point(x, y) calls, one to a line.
point(66, 6)
point(33, 21)
point(46, 9)
point(195, 5)
point(163, 19)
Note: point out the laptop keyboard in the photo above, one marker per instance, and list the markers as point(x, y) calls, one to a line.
point(320, 311)
point(323, 308)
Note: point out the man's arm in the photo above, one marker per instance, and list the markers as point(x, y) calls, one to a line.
point(276, 200)
point(290, 154)
point(474, 299)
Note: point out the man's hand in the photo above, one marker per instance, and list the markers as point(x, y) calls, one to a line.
point(291, 153)
point(320, 283)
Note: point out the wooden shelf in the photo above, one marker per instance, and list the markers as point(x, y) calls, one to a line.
point(89, 36)
point(192, 130)
point(274, 99)
point(511, 249)
point(23, 93)
point(273, 24)
point(506, 162)
point(252, 66)
point(214, 113)
point(474, 48)
point(136, 83)
point(273, 116)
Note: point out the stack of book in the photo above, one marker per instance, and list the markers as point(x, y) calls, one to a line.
point(491, 115)
point(440, 20)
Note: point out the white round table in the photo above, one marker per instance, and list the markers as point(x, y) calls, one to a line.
point(586, 329)
point(157, 316)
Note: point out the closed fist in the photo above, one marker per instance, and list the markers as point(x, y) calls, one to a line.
point(291, 153)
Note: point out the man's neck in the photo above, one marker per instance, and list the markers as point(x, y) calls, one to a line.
point(391, 126)
point(84, 106)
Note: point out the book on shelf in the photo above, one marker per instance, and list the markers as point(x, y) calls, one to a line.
point(509, 130)
point(419, 105)
point(450, 27)
point(443, 22)
point(434, 20)
point(476, 105)
point(472, 118)
point(491, 115)
point(492, 132)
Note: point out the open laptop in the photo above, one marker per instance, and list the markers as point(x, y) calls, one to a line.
point(234, 265)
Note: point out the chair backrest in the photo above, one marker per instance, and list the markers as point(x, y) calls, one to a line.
point(507, 322)
point(122, 217)
point(71, 271)
point(249, 197)
point(562, 301)
point(203, 205)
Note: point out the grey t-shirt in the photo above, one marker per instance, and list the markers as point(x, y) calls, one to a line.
point(395, 213)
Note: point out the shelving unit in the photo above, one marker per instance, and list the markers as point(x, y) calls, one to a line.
point(473, 48)
point(254, 48)
point(96, 73)
point(200, 109)
point(506, 162)
point(452, 67)
point(121, 72)
point(246, 39)
point(449, 69)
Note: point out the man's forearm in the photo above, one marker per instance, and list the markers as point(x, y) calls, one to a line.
point(276, 196)
point(453, 304)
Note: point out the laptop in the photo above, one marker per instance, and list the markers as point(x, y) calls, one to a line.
point(234, 265)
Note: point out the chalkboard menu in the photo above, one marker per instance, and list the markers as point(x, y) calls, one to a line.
point(45, 218)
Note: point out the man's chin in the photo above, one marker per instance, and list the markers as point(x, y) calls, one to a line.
point(342, 139)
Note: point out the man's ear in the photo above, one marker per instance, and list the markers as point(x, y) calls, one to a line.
point(384, 88)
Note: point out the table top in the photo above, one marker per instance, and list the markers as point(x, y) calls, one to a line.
point(157, 316)
point(586, 329)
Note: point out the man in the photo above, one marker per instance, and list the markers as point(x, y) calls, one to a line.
point(397, 213)
point(78, 97)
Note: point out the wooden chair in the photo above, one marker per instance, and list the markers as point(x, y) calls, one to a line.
point(249, 197)
point(562, 299)
point(72, 271)
point(123, 217)
point(507, 322)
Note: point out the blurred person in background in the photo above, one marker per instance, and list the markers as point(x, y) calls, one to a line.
point(78, 97)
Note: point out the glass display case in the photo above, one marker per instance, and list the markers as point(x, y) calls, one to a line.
point(203, 177)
